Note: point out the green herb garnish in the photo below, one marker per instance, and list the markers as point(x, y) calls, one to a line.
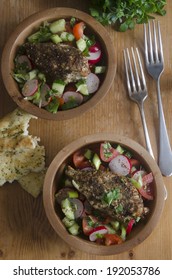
point(112, 195)
point(126, 13)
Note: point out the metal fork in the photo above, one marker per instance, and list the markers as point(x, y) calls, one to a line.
point(155, 66)
point(137, 88)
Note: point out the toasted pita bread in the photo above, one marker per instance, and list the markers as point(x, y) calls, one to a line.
point(20, 153)
point(33, 182)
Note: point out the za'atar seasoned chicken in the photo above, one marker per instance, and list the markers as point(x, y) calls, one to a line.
point(109, 193)
point(58, 61)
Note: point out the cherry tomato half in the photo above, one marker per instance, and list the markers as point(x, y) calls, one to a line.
point(78, 30)
point(80, 161)
point(107, 152)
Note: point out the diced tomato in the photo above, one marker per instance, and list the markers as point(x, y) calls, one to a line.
point(87, 225)
point(134, 162)
point(61, 101)
point(107, 152)
point(130, 226)
point(146, 192)
point(147, 179)
point(80, 161)
point(78, 30)
point(111, 239)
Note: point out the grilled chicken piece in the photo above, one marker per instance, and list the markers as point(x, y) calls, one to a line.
point(58, 61)
point(111, 194)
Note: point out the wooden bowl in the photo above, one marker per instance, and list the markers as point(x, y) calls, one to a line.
point(51, 185)
point(31, 25)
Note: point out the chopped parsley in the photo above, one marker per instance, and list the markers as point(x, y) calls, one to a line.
point(112, 195)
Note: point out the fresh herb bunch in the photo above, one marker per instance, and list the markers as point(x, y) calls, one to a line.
point(125, 14)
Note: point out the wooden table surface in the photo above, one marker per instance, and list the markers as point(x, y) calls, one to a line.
point(25, 232)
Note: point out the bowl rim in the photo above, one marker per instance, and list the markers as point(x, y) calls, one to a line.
point(28, 24)
point(76, 242)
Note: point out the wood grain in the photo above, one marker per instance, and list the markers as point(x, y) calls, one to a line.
point(25, 232)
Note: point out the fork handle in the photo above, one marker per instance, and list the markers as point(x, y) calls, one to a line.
point(147, 138)
point(165, 154)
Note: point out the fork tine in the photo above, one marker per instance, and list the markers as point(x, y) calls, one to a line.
point(160, 44)
point(156, 57)
point(141, 69)
point(150, 43)
point(129, 72)
point(135, 79)
point(146, 43)
point(153, 46)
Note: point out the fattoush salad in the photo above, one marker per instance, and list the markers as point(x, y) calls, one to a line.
point(104, 193)
point(60, 66)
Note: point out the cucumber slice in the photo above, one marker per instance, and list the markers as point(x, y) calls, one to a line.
point(82, 87)
point(74, 229)
point(68, 223)
point(58, 26)
point(120, 149)
point(115, 225)
point(73, 194)
point(96, 161)
point(123, 232)
point(81, 44)
point(99, 69)
point(33, 74)
point(88, 154)
point(58, 87)
point(67, 209)
point(42, 77)
point(56, 39)
point(66, 36)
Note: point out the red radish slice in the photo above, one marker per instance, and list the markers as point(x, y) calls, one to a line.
point(138, 174)
point(97, 232)
point(72, 95)
point(30, 87)
point(94, 53)
point(130, 226)
point(23, 59)
point(92, 82)
point(94, 57)
point(43, 92)
point(95, 48)
point(120, 165)
point(79, 207)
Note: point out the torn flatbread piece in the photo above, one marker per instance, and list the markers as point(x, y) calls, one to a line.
point(20, 153)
